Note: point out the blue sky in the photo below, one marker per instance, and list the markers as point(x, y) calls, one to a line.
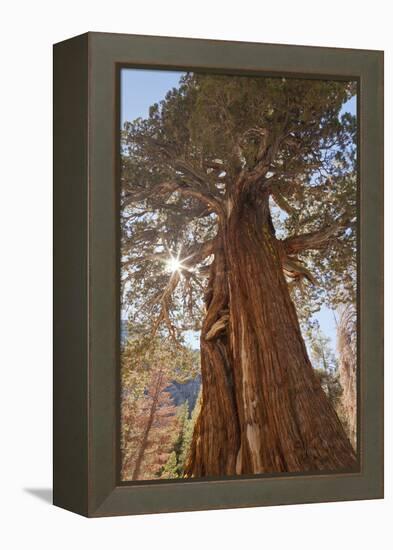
point(142, 88)
point(139, 89)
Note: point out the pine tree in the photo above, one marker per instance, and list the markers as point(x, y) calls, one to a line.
point(149, 421)
point(170, 470)
point(188, 435)
point(153, 425)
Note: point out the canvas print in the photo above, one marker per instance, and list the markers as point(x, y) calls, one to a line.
point(238, 255)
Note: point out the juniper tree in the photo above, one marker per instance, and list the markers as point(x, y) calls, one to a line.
point(202, 178)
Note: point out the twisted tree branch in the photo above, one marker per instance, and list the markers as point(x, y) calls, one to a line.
point(315, 240)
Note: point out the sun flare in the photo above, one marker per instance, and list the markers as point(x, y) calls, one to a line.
point(173, 265)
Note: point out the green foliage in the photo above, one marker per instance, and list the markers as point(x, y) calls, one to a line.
point(170, 469)
point(149, 419)
point(187, 434)
point(179, 168)
point(144, 355)
point(325, 364)
point(321, 354)
point(175, 465)
point(184, 158)
point(182, 443)
point(177, 460)
point(331, 385)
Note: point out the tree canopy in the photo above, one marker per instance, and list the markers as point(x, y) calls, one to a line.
point(179, 166)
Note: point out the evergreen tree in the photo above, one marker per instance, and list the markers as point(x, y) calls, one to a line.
point(200, 177)
point(149, 420)
point(188, 434)
point(170, 470)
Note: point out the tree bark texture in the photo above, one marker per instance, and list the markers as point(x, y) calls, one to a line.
point(347, 344)
point(263, 409)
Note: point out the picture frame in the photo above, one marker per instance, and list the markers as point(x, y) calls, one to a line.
point(87, 277)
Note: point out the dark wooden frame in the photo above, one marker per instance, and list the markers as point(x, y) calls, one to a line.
point(86, 274)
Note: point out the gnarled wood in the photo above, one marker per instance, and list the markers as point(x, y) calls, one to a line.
point(263, 408)
point(216, 436)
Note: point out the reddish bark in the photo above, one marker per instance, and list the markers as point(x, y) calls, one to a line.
point(263, 408)
point(149, 423)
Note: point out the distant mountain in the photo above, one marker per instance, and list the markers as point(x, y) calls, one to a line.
point(180, 392)
point(188, 391)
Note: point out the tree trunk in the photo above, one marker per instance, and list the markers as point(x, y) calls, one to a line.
point(216, 436)
point(347, 368)
point(263, 409)
point(146, 431)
